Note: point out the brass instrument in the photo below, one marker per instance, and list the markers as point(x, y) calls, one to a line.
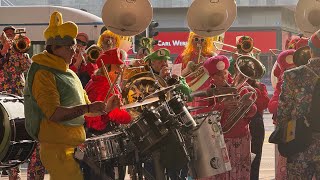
point(301, 56)
point(275, 52)
point(247, 67)
point(246, 47)
point(211, 18)
point(127, 17)
point(21, 43)
point(93, 53)
point(307, 16)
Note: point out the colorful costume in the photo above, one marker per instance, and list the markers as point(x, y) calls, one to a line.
point(294, 105)
point(52, 84)
point(13, 66)
point(97, 89)
point(238, 138)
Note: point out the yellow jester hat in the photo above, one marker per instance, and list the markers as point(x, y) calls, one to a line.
point(59, 33)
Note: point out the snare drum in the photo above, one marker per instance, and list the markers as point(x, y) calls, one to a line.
point(16, 145)
point(148, 130)
point(210, 155)
point(106, 147)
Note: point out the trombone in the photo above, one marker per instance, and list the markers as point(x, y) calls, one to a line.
point(244, 48)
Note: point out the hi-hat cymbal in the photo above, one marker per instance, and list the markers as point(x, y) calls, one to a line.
point(164, 90)
point(216, 96)
point(137, 104)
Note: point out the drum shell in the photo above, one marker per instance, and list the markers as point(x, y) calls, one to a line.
point(106, 147)
point(147, 131)
point(16, 146)
point(210, 155)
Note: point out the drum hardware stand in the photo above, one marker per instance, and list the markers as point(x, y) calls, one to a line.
point(80, 156)
point(139, 170)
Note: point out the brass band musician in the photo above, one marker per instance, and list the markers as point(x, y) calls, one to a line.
point(238, 138)
point(13, 65)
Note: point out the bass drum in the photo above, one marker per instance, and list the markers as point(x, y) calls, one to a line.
point(16, 145)
point(140, 86)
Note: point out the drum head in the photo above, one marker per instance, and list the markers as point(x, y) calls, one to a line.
point(140, 86)
point(5, 129)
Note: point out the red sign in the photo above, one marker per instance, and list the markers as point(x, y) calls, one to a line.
point(175, 41)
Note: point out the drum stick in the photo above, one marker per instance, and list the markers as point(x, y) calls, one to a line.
point(105, 72)
point(112, 88)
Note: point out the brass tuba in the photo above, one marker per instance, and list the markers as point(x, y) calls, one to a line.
point(307, 16)
point(93, 53)
point(247, 67)
point(127, 17)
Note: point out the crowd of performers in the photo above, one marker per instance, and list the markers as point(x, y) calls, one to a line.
point(77, 98)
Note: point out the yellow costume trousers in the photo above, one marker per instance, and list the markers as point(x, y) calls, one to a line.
point(57, 143)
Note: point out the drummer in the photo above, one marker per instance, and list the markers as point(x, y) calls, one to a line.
point(97, 90)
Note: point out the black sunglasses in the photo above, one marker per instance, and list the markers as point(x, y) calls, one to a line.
point(81, 42)
point(198, 39)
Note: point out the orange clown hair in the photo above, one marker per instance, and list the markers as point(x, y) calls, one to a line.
point(108, 33)
point(208, 48)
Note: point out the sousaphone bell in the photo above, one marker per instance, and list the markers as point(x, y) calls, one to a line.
point(127, 17)
point(210, 18)
point(307, 16)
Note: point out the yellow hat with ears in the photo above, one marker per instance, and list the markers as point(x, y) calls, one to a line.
point(59, 33)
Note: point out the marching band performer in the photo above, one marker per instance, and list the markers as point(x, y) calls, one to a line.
point(55, 92)
point(285, 62)
point(238, 138)
point(108, 40)
point(80, 65)
point(97, 89)
point(13, 65)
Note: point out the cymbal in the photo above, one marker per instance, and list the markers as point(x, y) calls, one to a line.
point(137, 104)
point(196, 108)
point(162, 90)
point(216, 96)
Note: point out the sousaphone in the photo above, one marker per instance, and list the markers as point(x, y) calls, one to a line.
point(307, 16)
point(127, 17)
point(210, 18)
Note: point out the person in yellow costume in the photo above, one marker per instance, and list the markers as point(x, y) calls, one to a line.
point(55, 94)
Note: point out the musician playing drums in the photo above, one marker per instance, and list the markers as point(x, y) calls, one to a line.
point(97, 89)
point(238, 138)
point(99, 86)
point(56, 100)
point(13, 65)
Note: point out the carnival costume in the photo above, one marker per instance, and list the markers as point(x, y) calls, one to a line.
point(50, 84)
point(97, 89)
point(238, 138)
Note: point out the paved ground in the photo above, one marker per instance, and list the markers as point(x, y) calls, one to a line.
point(267, 164)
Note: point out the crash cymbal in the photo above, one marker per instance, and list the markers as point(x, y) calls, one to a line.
point(217, 96)
point(137, 104)
point(164, 90)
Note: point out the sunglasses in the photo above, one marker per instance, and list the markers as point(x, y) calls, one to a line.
point(199, 39)
point(82, 43)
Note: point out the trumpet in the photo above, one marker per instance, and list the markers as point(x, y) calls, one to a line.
point(93, 52)
point(21, 43)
